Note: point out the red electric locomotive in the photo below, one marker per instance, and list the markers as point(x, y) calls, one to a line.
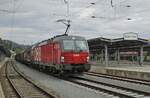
point(58, 55)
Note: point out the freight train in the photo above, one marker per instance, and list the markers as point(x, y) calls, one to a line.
point(60, 54)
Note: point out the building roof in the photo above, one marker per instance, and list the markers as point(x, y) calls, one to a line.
point(97, 44)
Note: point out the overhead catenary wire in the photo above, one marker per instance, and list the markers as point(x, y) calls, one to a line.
point(114, 6)
point(66, 21)
point(112, 2)
point(98, 1)
point(67, 2)
point(19, 5)
point(6, 11)
point(105, 10)
point(13, 12)
point(94, 3)
point(90, 5)
point(13, 16)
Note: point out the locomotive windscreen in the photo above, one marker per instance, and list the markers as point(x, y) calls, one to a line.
point(79, 45)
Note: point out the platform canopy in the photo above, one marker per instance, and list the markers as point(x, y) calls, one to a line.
point(129, 42)
point(126, 42)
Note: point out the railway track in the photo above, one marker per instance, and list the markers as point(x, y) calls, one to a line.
point(113, 90)
point(110, 89)
point(143, 82)
point(21, 86)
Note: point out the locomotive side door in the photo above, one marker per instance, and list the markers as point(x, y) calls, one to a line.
point(56, 53)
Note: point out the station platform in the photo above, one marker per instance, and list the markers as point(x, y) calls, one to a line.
point(136, 72)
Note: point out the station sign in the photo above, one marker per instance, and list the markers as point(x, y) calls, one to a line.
point(130, 36)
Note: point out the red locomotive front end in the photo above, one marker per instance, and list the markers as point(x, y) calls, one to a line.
point(74, 54)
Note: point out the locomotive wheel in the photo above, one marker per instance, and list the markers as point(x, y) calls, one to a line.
point(40, 68)
point(53, 70)
point(50, 69)
point(47, 68)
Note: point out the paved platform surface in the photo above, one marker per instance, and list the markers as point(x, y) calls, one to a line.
point(137, 72)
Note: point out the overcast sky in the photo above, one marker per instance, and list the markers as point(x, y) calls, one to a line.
point(30, 21)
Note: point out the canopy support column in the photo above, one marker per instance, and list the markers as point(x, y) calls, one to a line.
point(102, 55)
point(106, 55)
point(118, 56)
point(141, 55)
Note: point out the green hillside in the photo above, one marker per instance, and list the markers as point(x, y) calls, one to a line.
point(13, 46)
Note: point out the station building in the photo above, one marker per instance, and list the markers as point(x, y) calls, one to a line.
point(129, 50)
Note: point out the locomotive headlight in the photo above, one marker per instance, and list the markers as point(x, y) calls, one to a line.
point(62, 59)
point(88, 58)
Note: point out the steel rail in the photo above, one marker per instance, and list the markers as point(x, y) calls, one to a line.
point(101, 89)
point(122, 95)
point(139, 81)
point(11, 83)
point(28, 80)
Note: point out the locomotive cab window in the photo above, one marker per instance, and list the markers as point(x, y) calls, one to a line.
point(68, 45)
point(81, 45)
